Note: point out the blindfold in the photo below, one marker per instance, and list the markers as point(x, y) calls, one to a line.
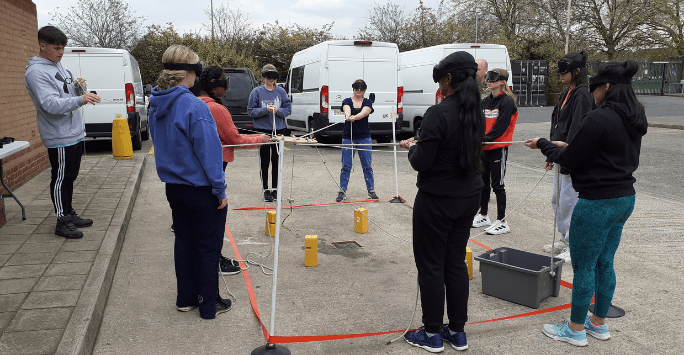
point(596, 81)
point(197, 67)
point(359, 86)
point(270, 74)
point(493, 76)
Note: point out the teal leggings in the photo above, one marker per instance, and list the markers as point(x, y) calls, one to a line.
point(595, 232)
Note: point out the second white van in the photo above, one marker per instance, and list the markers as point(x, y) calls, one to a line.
point(421, 91)
point(321, 76)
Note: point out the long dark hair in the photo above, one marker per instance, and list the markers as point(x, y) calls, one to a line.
point(621, 93)
point(467, 95)
point(208, 74)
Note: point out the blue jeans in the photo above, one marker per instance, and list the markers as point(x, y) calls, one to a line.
point(595, 233)
point(364, 156)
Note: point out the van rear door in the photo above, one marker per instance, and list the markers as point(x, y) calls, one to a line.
point(103, 73)
point(345, 65)
point(380, 71)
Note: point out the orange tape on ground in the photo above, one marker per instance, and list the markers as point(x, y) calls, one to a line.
point(299, 206)
point(312, 338)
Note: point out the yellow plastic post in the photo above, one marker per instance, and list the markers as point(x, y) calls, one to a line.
point(469, 262)
point(270, 223)
point(360, 220)
point(122, 146)
point(311, 250)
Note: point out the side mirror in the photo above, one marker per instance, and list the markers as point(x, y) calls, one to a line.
point(372, 97)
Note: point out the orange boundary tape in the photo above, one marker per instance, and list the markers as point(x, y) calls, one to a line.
point(311, 338)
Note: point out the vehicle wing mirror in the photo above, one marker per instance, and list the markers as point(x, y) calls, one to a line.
point(372, 97)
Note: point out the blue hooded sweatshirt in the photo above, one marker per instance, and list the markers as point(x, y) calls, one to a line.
point(187, 148)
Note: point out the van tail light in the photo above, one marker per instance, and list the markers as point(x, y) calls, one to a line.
point(130, 98)
point(324, 99)
point(438, 97)
point(400, 102)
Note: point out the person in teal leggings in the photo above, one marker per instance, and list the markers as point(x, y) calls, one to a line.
point(602, 157)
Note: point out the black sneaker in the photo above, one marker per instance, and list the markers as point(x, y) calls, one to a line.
point(228, 267)
point(80, 222)
point(267, 196)
point(222, 305)
point(274, 195)
point(372, 195)
point(65, 228)
point(340, 196)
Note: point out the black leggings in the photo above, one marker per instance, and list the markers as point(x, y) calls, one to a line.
point(495, 167)
point(268, 155)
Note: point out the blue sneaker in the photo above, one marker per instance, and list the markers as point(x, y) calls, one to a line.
point(458, 341)
point(564, 333)
point(420, 339)
point(597, 331)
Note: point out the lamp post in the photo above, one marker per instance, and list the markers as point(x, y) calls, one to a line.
point(212, 20)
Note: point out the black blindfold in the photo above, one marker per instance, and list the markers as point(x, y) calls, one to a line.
point(493, 76)
point(197, 67)
point(596, 81)
point(359, 86)
point(270, 74)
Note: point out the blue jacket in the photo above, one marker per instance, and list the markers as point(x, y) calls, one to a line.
point(187, 147)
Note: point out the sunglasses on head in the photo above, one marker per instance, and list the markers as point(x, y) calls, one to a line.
point(359, 86)
point(493, 76)
point(270, 74)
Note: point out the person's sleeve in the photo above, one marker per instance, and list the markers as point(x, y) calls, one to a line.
point(506, 111)
point(576, 153)
point(228, 133)
point(285, 104)
point(347, 102)
point(422, 154)
point(369, 103)
point(207, 148)
point(581, 107)
point(47, 94)
point(254, 109)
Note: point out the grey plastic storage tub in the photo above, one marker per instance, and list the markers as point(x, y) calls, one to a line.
point(519, 276)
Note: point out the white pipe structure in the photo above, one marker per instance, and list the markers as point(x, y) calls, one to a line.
point(281, 150)
point(394, 140)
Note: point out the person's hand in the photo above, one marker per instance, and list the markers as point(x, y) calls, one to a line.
point(90, 98)
point(223, 203)
point(265, 138)
point(560, 144)
point(532, 143)
point(351, 118)
point(407, 143)
point(272, 109)
point(548, 165)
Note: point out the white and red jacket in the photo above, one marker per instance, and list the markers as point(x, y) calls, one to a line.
point(501, 114)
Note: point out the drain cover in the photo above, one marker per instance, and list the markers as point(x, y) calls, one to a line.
point(346, 245)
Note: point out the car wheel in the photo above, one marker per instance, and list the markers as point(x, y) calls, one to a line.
point(416, 128)
point(137, 139)
point(146, 134)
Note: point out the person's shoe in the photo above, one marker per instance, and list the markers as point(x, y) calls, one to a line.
point(498, 228)
point(186, 308)
point(340, 196)
point(372, 195)
point(557, 246)
point(419, 338)
point(565, 255)
point(222, 305)
point(597, 331)
point(481, 221)
point(228, 267)
point(563, 332)
point(78, 221)
point(65, 228)
point(267, 196)
point(458, 341)
point(274, 195)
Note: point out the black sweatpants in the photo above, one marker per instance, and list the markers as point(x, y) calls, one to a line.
point(441, 229)
point(65, 162)
point(268, 154)
point(199, 227)
point(495, 167)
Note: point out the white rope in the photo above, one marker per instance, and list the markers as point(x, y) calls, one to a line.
point(318, 130)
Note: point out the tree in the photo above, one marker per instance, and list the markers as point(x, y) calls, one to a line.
point(385, 23)
point(149, 50)
point(665, 23)
point(231, 26)
point(611, 25)
point(427, 28)
point(100, 23)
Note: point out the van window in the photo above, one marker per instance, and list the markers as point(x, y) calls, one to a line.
point(297, 79)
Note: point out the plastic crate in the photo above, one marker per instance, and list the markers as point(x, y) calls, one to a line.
point(519, 276)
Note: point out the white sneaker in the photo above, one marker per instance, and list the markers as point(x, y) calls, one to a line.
point(558, 247)
point(498, 228)
point(565, 255)
point(481, 221)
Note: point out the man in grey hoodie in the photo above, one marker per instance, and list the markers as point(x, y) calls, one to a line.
point(52, 90)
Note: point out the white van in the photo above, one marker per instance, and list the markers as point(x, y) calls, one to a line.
point(320, 77)
point(115, 76)
point(421, 91)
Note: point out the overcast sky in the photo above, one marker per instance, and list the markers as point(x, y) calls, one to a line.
point(186, 16)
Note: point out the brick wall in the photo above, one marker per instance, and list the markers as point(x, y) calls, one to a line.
point(19, 42)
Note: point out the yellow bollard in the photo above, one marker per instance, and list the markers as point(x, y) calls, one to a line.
point(469, 262)
point(360, 220)
point(122, 146)
point(270, 223)
point(311, 250)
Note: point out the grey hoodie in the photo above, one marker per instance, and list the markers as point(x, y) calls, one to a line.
point(52, 91)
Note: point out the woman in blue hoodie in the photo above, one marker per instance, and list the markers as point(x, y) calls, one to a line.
point(188, 156)
point(602, 157)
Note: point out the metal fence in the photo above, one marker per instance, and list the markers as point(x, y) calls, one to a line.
point(655, 78)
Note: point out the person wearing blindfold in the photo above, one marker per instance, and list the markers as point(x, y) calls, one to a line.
point(210, 87)
point(448, 158)
point(357, 131)
point(574, 102)
point(188, 156)
point(269, 105)
point(501, 113)
point(602, 157)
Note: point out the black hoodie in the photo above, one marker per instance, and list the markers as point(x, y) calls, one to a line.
point(603, 154)
point(566, 121)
